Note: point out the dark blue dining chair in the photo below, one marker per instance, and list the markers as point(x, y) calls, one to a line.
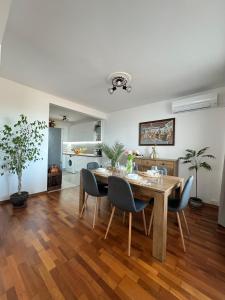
point(163, 169)
point(178, 205)
point(92, 188)
point(92, 165)
point(121, 197)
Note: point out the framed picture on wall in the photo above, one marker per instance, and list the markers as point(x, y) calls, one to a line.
point(160, 133)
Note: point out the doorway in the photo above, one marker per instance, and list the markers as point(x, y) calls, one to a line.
point(74, 140)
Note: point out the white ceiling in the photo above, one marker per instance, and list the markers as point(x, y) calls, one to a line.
point(68, 48)
point(57, 112)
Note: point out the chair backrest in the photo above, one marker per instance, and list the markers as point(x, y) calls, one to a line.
point(163, 169)
point(89, 182)
point(120, 194)
point(92, 165)
point(186, 193)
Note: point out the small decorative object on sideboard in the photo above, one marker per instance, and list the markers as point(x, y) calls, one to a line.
point(154, 153)
point(20, 145)
point(197, 161)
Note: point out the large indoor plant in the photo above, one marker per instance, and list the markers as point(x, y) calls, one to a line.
point(114, 153)
point(197, 161)
point(19, 146)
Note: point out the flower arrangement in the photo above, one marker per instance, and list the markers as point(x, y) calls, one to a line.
point(130, 158)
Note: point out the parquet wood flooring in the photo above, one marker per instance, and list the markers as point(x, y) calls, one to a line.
point(47, 252)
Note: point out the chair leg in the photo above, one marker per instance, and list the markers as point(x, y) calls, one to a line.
point(99, 203)
point(181, 231)
point(124, 217)
point(96, 206)
point(129, 234)
point(150, 223)
point(110, 221)
point(84, 206)
point(144, 221)
point(186, 224)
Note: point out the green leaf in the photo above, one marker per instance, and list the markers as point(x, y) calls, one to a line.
point(209, 156)
point(193, 168)
point(201, 151)
point(187, 161)
point(205, 165)
point(193, 152)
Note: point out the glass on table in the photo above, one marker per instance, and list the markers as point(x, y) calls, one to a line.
point(117, 165)
point(106, 164)
point(135, 168)
point(154, 168)
point(160, 176)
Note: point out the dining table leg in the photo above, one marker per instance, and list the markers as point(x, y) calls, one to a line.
point(160, 226)
point(82, 194)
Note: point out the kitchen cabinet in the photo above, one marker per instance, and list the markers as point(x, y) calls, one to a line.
point(78, 162)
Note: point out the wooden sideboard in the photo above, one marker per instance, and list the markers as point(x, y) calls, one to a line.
point(145, 163)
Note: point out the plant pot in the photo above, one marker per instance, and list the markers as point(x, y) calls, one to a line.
point(195, 202)
point(19, 200)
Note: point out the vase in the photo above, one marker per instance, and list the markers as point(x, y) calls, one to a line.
point(154, 153)
point(129, 166)
point(113, 164)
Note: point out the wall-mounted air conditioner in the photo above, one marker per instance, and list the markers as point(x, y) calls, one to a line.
point(195, 102)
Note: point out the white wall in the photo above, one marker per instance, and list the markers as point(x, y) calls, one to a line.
point(4, 12)
point(193, 130)
point(16, 99)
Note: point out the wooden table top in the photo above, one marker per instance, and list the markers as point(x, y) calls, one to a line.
point(163, 184)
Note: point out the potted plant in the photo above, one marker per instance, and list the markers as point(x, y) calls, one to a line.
point(130, 160)
point(113, 153)
point(197, 161)
point(19, 146)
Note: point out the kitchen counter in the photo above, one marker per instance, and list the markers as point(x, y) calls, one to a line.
point(81, 154)
point(147, 158)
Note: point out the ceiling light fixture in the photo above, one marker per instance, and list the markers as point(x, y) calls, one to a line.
point(119, 80)
point(65, 118)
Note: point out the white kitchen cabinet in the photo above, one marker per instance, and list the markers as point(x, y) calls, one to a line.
point(80, 162)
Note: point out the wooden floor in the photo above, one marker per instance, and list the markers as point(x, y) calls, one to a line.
point(47, 252)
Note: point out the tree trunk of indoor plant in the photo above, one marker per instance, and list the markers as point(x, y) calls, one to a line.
point(19, 199)
point(196, 202)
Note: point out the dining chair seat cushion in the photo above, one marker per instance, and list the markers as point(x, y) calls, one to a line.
point(140, 204)
point(173, 204)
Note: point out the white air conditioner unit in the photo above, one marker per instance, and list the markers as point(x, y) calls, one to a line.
point(195, 102)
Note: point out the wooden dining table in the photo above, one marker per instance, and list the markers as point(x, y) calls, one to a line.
point(145, 188)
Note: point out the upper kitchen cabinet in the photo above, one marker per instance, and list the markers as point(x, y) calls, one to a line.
point(85, 132)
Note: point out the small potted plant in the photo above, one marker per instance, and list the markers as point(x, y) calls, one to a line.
point(19, 146)
point(130, 160)
point(114, 153)
point(196, 159)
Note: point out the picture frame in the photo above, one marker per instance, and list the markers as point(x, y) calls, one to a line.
point(157, 133)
